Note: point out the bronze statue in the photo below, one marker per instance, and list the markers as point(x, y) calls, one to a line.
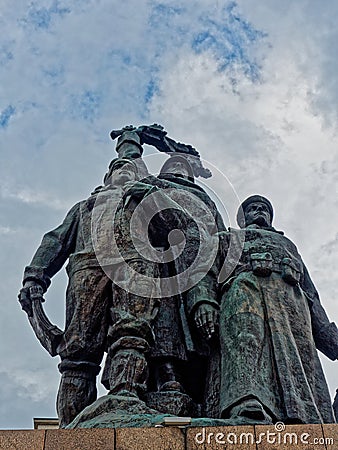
point(82, 344)
point(146, 261)
point(271, 322)
point(101, 312)
point(176, 347)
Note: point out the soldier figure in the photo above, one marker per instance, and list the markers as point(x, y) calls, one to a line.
point(83, 342)
point(271, 322)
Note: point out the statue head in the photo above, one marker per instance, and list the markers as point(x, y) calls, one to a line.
point(120, 170)
point(256, 209)
point(179, 166)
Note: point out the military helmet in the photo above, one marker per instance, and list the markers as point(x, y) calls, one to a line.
point(247, 202)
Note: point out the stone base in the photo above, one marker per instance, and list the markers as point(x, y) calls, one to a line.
point(117, 411)
point(173, 438)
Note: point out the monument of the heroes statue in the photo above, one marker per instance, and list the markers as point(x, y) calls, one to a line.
point(221, 325)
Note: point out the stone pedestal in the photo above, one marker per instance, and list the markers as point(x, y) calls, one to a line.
point(258, 437)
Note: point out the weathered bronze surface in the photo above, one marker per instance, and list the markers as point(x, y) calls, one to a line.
point(146, 261)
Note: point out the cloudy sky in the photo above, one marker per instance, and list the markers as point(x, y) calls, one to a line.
point(252, 85)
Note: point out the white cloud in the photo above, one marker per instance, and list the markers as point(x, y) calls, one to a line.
point(6, 230)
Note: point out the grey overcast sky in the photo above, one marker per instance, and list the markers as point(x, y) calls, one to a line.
point(252, 85)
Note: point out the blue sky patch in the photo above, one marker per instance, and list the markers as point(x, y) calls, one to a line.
point(221, 32)
point(151, 89)
point(117, 57)
point(41, 18)
point(54, 75)
point(229, 39)
point(86, 105)
point(5, 116)
point(6, 54)
point(162, 14)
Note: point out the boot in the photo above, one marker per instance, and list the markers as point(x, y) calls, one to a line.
point(128, 371)
point(77, 389)
point(251, 409)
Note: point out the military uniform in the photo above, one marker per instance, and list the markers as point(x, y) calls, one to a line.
point(271, 322)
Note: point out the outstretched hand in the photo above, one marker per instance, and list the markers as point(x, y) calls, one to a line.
point(206, 320)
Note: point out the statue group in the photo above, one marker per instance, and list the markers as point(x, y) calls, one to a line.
point(195, 319)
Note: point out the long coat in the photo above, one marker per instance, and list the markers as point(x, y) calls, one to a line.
point(175, 332)
point(271, 322)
